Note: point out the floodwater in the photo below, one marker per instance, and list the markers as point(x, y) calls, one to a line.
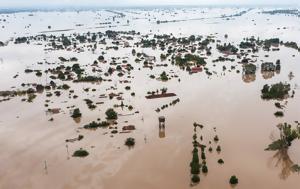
point(34, 151)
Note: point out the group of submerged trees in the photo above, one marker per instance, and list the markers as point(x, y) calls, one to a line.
point(278, 91)
point(288, 134)
point(111, 115)
point(275, 91)
point(195, 166)
point(195, 163)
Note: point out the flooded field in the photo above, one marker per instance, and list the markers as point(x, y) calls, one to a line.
point(224, 79)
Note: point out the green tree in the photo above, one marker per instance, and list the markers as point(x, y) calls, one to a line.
point(111, 114)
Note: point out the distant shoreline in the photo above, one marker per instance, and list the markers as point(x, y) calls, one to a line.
point(11, 10)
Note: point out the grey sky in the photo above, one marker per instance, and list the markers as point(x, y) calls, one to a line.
point(21, 3)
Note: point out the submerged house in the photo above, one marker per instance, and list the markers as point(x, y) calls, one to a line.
point(196, 70)
point(268, 67)
point(150, 59)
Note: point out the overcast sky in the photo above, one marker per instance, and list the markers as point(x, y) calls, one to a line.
point(22, 3)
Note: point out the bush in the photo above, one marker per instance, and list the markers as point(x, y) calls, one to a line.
point(39, 73)
point(233, 180)
point(195, 168)
point(163, 57)
point(195, 157)
point(130, 142)
point(278, 114)
point(195, 179)
point(80, 153)
point(278, 105)
point(118, 67)
point(216, 138)
point(164, 76)
point(195, 150)
point(90, 104)
point(220, 161)
point(101, 58)
point(94, 125)
point(195, 136)
point(218, 149)
point(88, 79)
point(111, 114)
point(61, 76)
point(65, 86)
point(76, 113)
point(80, 137)
point(203, 157)
point(204, 169)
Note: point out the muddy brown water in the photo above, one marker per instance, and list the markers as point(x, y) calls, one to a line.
point(35, 154)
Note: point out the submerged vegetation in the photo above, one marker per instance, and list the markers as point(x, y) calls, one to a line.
point(233, 180)
point(94, 125)
point(249, 68)
point(130, 142)
point(278, 114)
point(80, 153)
point(275, 91)
point(287, 135)
point(227, 48)
point(76, 113)
point(111, 114)
point(197, 165)
point(110, 70)
point(189, 59)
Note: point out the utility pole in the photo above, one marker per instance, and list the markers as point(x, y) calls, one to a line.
point(46, 167)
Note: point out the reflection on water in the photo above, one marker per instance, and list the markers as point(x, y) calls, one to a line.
point(46, 167)
point(68, 154)
point(283, 161)
point(291, 76)
point(248, 78)
point(281, 158)
point(267, 74)
point(77, 120)
point(268, 69)
point(161, 130)
point(277, 71)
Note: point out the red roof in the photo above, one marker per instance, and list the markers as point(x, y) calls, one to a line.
point(196, 69)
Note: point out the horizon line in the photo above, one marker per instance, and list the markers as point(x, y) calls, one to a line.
point(145, 5)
